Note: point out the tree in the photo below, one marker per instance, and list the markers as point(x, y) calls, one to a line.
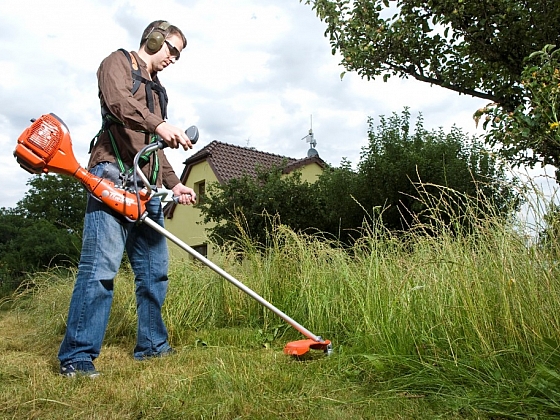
point(43, 230)
point(473, 47)
point(531, 132)
point(57, 198)
point(38, 244)
point(337, 189)
point(410, 174)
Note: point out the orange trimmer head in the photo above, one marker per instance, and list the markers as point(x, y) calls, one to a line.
point(300, 347)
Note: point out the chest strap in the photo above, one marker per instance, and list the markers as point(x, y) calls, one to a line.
point(138, 79)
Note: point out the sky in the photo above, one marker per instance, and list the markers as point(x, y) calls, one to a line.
point(255, 73)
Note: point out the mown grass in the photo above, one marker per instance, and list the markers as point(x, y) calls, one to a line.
point(452, 326)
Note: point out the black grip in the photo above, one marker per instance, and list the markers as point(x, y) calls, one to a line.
point(192, 134)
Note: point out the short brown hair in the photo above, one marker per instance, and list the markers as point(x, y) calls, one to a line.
point(171, 30)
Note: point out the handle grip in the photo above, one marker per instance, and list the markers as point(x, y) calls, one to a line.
point(191, 132)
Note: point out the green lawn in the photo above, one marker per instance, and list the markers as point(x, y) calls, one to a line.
point(447, 327)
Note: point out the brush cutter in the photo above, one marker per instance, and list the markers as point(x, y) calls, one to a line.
point(46, 146)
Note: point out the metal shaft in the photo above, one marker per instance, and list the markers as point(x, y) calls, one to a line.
point(232, 280)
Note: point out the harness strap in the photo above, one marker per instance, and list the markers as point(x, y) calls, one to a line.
point(150, 86)
point(144, 159)
point(108, 119)
point(135, 70)
point(138, 79)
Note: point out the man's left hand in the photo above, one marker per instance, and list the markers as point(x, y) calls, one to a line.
point(185, 195)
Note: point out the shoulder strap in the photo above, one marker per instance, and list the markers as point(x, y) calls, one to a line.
point(137, 78)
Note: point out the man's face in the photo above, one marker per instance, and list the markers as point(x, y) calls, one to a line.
point(168, 53)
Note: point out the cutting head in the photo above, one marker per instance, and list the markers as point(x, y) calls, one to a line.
point(300, 347)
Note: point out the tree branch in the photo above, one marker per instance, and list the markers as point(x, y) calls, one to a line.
point(444, 84)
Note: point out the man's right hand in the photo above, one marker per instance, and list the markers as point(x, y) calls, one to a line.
point(173, 136)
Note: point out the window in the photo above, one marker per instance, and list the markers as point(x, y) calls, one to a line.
point(200, 190)
point(201, 249)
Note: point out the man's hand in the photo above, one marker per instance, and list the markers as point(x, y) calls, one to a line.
point(185, 195)
point(173, 136)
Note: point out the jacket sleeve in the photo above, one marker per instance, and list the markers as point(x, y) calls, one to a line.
point(115, 84)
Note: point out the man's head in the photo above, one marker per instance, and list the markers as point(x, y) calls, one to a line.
point(163, 43)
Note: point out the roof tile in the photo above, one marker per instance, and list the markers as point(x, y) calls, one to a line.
point(230, 161)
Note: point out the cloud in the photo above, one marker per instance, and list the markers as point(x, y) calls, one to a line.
point(253, 73)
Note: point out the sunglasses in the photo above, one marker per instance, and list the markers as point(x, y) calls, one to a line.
point(175, 53)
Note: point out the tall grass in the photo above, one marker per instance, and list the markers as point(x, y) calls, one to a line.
point(473, 313)
point(469, 319)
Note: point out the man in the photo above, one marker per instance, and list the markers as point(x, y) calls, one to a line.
point(134, 107)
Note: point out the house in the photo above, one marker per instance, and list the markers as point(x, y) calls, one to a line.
point(220, 162)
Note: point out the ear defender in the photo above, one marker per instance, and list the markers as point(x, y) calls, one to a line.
point(156, 38)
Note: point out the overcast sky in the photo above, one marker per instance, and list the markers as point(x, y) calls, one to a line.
point(253, 74)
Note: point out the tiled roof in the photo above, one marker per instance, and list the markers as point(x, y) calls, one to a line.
point(230, 161)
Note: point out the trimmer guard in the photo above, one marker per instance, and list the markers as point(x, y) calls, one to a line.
point(300, 347)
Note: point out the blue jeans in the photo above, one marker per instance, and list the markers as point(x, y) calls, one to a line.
point(105, 238)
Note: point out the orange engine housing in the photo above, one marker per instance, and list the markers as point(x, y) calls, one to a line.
point(46, 146)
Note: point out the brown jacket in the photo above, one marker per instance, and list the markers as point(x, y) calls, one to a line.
point(115, 84)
